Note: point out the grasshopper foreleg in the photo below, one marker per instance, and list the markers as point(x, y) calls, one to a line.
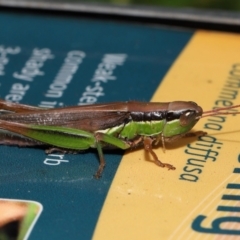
point(148, 147)
point(195, 134)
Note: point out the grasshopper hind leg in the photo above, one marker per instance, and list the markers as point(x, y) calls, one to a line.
point(11, 139)
point(148, 147)
point(102, 139)
point(102, 162)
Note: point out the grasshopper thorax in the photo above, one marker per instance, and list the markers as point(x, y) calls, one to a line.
point(186, 112)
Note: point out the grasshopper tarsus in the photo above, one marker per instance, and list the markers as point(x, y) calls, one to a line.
point(148, 147)
point(164, 165)
point(169, 166)
point(196, 134)
point(98, 174)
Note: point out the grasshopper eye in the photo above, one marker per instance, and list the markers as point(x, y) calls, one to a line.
point(187, 118)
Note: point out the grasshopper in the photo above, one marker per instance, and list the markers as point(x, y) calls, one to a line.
point(121, 125)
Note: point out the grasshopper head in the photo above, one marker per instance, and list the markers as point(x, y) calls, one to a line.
point(181, 117)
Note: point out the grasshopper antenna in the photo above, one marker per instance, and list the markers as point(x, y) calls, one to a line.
point(220, 111)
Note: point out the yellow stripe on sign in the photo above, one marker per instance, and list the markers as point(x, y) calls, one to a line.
point(148, 202)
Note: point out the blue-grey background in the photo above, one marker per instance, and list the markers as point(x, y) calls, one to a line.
point(72, 199)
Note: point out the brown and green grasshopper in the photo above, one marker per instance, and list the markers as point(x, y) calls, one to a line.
point(113, 125)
